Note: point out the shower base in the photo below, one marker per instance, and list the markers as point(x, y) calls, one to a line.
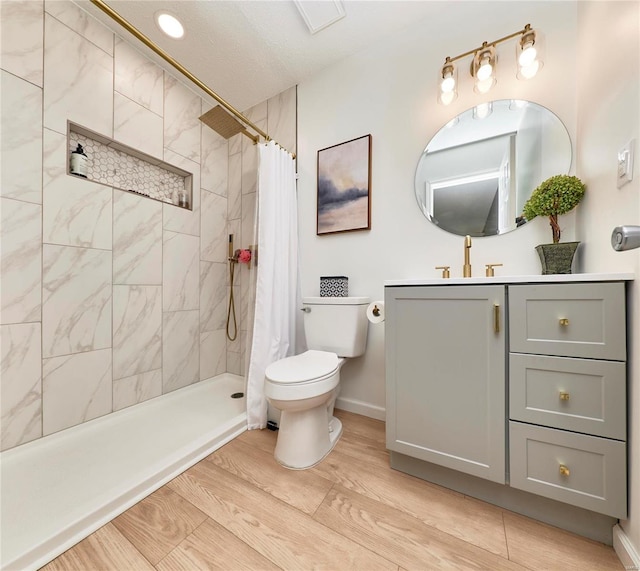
point(57, 490)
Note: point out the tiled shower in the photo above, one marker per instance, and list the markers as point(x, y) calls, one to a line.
point(108, 298)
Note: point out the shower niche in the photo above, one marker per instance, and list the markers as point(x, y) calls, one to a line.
point(114, 164)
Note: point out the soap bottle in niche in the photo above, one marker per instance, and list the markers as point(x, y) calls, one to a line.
point(183, 199)
point(78, 163)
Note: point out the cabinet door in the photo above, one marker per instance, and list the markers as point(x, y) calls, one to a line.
point(445, 373)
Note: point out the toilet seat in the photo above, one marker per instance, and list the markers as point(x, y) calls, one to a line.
point(309, 367)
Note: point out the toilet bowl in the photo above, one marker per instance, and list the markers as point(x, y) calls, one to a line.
point(304, 388)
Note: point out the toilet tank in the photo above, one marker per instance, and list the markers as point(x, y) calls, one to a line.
point(336, 324)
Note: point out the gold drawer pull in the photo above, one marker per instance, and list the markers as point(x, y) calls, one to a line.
point(564, 396)
point(496, 318)
point(564, 321)
point(564, 471)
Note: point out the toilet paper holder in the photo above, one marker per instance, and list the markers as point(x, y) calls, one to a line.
point(375, 311)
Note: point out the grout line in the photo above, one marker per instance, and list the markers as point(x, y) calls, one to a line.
point(85, 38)
point(113, 194)
point(112, 291)
point(42, 236)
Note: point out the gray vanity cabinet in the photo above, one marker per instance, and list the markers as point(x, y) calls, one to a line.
point(445, 369)
point(562, 370)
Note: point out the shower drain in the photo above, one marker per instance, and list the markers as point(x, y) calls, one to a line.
point(237, 395)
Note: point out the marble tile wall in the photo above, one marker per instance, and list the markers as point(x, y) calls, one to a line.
point(21, 394)
point(108, 299)
point(137, 240)
point(76, 299)
point(76, 212)
point(137, 329)
point(21, 107)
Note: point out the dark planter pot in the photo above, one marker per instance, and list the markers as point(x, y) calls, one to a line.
point(557, 258)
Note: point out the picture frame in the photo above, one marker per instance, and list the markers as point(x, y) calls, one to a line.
point(344, 187)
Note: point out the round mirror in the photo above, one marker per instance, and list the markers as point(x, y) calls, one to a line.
point(478, 170)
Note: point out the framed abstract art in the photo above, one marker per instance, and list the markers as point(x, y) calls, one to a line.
point(344, 187)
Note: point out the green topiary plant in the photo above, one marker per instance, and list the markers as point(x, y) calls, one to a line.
point(556, 195)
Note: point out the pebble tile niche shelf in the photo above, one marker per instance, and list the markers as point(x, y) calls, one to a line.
point(119, 166)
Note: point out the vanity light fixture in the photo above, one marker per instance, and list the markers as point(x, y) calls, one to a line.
point(448, 83)
point(483, 64)
point(170, 25)
point(483, 68)
point(528, 55)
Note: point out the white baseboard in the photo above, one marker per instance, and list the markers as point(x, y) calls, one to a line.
point(360, 407)
point(625, 550)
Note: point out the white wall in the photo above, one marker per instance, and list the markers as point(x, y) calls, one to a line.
point(608, 117)
point(390, 91)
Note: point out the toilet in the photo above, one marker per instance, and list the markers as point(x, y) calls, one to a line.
point(305, 387)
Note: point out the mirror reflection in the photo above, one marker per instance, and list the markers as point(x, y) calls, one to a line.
point(478, 170)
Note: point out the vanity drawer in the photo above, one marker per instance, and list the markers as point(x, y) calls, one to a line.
point(584, 471)
point(571, 320)
point(582, 395)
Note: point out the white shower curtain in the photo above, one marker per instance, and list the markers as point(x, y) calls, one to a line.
point(277, 291)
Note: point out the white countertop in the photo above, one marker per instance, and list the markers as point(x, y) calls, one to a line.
point(554, 278)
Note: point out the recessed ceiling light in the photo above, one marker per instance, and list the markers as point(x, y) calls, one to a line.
point(170, 25)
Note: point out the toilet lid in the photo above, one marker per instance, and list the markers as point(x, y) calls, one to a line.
point(305, 367)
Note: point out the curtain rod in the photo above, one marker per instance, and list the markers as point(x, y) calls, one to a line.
point(165, 56)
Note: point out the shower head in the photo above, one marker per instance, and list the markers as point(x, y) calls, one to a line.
point(224, 124)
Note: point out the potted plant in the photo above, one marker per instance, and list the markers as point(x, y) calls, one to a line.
point(555, 196)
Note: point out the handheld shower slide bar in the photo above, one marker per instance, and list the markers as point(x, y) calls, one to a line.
point(231, 312)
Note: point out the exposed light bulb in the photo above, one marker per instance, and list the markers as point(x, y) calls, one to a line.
point(170, 25)
point(448, 84)
point(529, 71)
point(485, 70)
point(447, 97)
point(482, 86)
point(528, 55)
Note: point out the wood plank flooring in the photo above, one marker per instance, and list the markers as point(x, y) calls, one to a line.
point(238, 509)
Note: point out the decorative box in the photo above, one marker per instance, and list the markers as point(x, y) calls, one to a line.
point(334, 286)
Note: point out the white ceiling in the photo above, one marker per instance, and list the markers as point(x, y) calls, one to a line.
point(248, 51)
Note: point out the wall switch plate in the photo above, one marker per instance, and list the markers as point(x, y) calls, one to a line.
point(625, 164)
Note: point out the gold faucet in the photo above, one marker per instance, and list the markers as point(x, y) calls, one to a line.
point(466, 269)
